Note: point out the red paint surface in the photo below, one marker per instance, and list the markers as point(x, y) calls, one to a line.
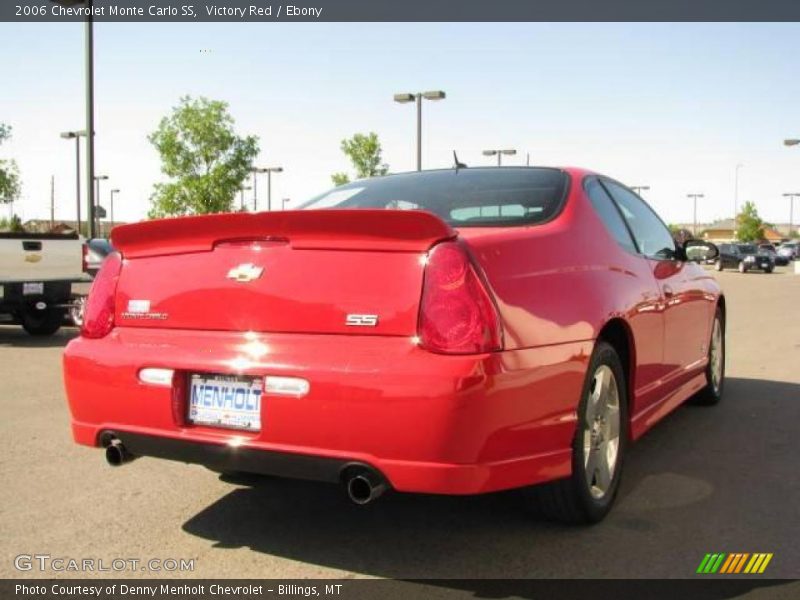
point(436, 423)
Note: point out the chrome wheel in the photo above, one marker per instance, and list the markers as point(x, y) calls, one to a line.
point(76, 311)
point(601, 432)
point(716, 356)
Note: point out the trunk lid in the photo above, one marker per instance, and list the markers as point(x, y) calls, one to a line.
point(337, 271)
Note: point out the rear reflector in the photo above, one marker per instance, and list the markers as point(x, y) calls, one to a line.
point(286, 386)
point(456, 316)
point(155, 376)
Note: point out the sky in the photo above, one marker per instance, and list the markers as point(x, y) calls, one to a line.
point(672, 106)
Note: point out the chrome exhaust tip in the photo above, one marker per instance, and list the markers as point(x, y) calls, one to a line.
point(365, 487)
point(117, 455)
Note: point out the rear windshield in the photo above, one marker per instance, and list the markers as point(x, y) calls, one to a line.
point(495, 196)
point(747, 249)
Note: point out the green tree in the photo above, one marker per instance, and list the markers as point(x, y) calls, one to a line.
point(340, 179)
point(205, 159)
point(365, 153)
point(750, 227)
point(9, 173)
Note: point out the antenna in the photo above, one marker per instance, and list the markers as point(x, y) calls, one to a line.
point(457, 165)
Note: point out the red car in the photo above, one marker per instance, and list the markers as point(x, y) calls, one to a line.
point(451, 332)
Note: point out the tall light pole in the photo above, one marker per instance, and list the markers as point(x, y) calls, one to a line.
point(76, 135)
point(89, 62)
point(93, 214)
point(241, 195)
point(256, 171)
point(269, 171)
point(115, 191)
point(500, 153)
point(695, 197)
point(405, 98)
point(638, 189)
point(791, 197)
point(736, 192)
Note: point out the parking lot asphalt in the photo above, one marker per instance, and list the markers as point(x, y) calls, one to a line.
point(721, 479)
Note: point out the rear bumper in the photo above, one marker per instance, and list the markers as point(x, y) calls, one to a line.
point(428, 423)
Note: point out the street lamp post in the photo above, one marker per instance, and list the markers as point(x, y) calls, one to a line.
point(89, 62)
point(93, 214)
point(405, 98)
point(115, 191)
point(76, 135)
point(736, 192)
point(256, 171)
point(269, 171)
point(638, 189)
point(241, 195)
point(500, 153)
point(791, 197)
point(695, 197)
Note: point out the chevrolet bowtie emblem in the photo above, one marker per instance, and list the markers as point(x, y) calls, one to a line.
point(245, 272)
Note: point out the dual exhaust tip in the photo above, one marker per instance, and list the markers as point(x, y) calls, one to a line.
point(117, 455)
point(363, 485)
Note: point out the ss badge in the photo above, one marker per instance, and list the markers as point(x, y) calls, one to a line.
point(362, 320)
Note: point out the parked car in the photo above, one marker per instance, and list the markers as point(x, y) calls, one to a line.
point(789, 250)
point(37, 272)
point(780, 261)
point(743, 257)
point(96, 251)
point(435, 332)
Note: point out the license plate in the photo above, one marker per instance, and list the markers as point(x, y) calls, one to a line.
point(31, 289)
point(224, 401)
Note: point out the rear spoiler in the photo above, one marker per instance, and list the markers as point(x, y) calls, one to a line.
point(360, 229)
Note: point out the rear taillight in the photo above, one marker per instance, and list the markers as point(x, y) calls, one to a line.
point(456, 315)
point(98, 316)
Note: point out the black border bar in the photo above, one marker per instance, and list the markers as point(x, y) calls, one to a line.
point(265, 11)
point(386, 589)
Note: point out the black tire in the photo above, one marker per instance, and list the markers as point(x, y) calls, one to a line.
point(742, 267)
point(711, 394)
point(571, 500)
point(769, 270)
point(42, 322)
point(718, 265)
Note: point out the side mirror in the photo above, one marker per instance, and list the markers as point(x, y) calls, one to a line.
point(699, 251)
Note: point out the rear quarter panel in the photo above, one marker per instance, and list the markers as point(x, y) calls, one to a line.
point(562, 281)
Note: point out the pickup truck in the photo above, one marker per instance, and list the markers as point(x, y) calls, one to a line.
point(37, 272)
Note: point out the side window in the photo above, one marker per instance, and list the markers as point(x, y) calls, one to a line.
point(609, 214)
point(652, 236)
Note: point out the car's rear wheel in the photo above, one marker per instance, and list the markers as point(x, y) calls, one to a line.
point(597, 450)
point(715, 369)
point(718, 265)
point(769, 269)
point(42, 322)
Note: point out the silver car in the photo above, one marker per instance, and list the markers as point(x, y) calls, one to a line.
point(789, 250)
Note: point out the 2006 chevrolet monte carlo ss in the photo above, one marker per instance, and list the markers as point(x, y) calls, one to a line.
point(451, 332)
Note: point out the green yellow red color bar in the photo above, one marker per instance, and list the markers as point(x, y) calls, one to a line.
point(736, 562)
